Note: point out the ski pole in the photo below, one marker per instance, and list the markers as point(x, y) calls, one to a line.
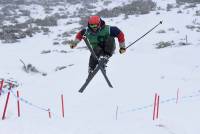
point(144, 34)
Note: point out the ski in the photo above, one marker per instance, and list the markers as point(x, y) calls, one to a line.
point(89, 78)
point(101, 62)
point(91, 75)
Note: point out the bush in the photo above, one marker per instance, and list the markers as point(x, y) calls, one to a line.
point(136, 7)
point(197, 13)
point(161, 31)
point(169, 7)
point(191, 27)
point(106, 3)
point(47, 21)
point(163, 44)
point(187, 1)
point(191, 5)
point(171, 29)
point(183, 43)
point(179, 11)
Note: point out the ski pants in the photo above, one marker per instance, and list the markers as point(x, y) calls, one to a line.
point(105, 49)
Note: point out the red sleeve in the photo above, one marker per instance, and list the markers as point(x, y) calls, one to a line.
point(79, 36)
point(120, 37)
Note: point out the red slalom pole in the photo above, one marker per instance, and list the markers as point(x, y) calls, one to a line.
point(1, 86)
point(63, 110)
point(158, 103)
point(5, 107)
point(154, 109)
point(18, 105)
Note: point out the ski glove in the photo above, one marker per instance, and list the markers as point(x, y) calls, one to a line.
point(73, 43)
point(72, 46)
point(122, 50)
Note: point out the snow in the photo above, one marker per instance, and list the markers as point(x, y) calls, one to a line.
point(136, 76)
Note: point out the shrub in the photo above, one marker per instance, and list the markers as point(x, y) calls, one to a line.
point(136, 7)
point(161, 31)
point(169, 7)
point(47, 21)
point(163, 44)
point(106, 3)
point(187, 1)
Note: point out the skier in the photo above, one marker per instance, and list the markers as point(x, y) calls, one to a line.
point(101, 38)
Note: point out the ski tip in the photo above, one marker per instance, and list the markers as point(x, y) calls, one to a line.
point(161, 22)
point(80, 91)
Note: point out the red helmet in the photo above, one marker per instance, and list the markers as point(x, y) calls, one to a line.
point(94, 20)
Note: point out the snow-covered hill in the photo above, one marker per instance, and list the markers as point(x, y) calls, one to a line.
point(136, 76)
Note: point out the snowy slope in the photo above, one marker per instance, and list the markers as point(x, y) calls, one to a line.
point(137, 76)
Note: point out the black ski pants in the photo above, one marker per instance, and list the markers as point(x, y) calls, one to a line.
point(105, 49)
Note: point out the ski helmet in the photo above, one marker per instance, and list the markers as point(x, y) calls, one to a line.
point(94, 20)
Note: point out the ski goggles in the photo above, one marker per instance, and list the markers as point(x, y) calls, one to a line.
point(93, 26)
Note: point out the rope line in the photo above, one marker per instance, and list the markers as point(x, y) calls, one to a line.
point(28, 102)
point(24, 100)
point(123, 112)
point(162, 102)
